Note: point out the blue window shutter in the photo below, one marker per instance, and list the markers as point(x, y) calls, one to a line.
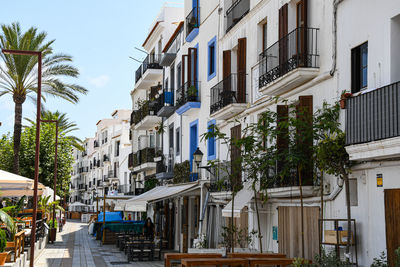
point(211, 145)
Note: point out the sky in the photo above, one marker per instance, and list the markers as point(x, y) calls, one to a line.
point(101, 35)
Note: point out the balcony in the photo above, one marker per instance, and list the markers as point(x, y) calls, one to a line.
point(167, 104)
point(149, 72)
point(165, 168)
point(228, 97)
point(145, 118)
point(188, 97)
point(236, 12)
point(106, 158)
point(373, 124)
point(83, 170)
point(192, 24)
point(111, 176)
point(126, 189)
point(96, 144)
point(130, 161)
point(290, 62)
point(143, 160)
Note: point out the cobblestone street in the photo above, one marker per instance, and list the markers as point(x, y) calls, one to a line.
point(74, 247)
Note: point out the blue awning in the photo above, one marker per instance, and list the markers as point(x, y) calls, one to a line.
point(111, 216)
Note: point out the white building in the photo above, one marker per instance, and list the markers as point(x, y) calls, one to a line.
point(221, 63)
point(103, 165)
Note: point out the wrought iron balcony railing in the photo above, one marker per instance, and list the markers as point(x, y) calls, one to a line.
point(192, 20)
point(152, 61)
point(374, 115)
point(148, 108)
point(236, 12)
point(230, 90)
point(144, 155)
point(189, 92)
point(298, 49)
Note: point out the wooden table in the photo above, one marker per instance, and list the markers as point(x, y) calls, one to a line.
point(255, 255)
point(179, 256)
point(215, 262)
point(253, 262)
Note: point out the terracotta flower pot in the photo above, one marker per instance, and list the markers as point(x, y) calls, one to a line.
point(3, 258)
point(342, 103)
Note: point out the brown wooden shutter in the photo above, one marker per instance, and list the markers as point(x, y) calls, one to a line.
point(226, 63)
point(192, 65)
point(236, 170)
point(282, 139)
point(392, 214)
point(183, 69)
point(302, 25)
point(241, 71)
point(283, 31)
point(189, 67)
point(305, 113)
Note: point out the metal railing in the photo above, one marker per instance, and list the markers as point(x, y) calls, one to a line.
point(152, 61)
point(298, 49)
point(125, 189)
point(143, 156)
point(130, 160)
point(192, 20)
point(83, 169)
point(230, 90)
point(236, 12)
point(148, 108)
point(96, 143)
point(106, 158)
point(189, 92)
point(374, 115)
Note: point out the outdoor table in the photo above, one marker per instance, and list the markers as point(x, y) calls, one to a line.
point(255, 255)
point(215, 262)
point(253, 262)
point(168, 257)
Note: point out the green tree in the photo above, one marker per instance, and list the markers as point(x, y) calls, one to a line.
point(65, 126)
point(18, 76)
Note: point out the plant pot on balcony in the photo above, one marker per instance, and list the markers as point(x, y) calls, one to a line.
point(52, 234)
point(3, 258)
point(343, 99)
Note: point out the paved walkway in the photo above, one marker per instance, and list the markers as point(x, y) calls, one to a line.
point(74, 247)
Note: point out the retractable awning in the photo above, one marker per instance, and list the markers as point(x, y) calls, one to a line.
point(160, 192)
point(12, 185)
point(242, 199)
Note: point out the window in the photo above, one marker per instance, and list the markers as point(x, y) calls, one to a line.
point(211, 144)
point(117, 148)
point(359, 68)
point(179, 76)
point(264, 36)
point(178, 143)
point(211, 58)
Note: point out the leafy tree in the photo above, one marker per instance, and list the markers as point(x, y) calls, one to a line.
point(18, 76)
point(65, 126)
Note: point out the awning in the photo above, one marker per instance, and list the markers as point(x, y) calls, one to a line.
point(50, 192)
point(242, 199)
point(12, 185)
point(160, 192)
point(120, 205)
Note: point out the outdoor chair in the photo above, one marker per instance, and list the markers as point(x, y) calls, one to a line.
point(157, 250)
point(147, 250)
point(135, 251)
point(16, 247)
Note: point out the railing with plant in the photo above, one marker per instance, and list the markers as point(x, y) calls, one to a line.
point(152, 61)
point(145, 108)
point(189, 92)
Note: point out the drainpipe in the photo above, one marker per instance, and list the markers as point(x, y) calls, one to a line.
point(334, 39)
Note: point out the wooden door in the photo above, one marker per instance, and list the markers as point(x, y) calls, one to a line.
point(301, 34)
point(225, 95)
point(226, 63)
point(392, 215)
point(282, 140)
point(283, 31)
point(241, 71)
point(236, 170)
point(289, 231)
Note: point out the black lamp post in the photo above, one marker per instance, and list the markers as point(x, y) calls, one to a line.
point(197, 158)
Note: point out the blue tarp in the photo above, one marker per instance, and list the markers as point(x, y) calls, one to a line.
point(116, 216)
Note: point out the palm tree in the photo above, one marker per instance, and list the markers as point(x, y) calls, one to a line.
point(18, 75)
point(65, 126)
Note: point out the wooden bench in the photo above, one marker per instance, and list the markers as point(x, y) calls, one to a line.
point(254, 262)
point(17, 246)
point(215, 262)
point(255, 255)
point(168, 257)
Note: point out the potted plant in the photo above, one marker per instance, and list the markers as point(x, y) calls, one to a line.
point(53, 230)
point(343, 99)
point(192, 93)
point(3, 243)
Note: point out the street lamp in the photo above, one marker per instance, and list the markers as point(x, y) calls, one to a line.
point(38, 109)
point(94, 190)
point(104, 211)
point(197, 158)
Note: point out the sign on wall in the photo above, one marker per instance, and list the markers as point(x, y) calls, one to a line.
point(379, 180)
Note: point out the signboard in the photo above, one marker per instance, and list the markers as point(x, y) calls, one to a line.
point(274, 232)
point(379, 180)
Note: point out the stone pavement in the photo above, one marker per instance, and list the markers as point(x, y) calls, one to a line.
point(74, 247)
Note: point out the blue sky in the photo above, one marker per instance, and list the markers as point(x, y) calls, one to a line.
point(100, 35)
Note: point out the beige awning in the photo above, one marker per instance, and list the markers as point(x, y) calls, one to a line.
point(12, 185)
point(242, 199)
point(160, 192)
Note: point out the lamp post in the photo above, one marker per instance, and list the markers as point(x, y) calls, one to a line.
point(94, 190)
point(104, 212)
point(36, 176)
point(197, 158)
point(55, 169)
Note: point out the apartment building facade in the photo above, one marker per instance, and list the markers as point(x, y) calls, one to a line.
point(224, 63)
point(102, 168)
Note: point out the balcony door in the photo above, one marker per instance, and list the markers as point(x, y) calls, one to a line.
point(301, 35)
point(241, 73)
point(236, 170)
point(283, 32)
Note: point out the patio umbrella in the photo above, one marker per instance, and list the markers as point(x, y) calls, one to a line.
point(12, 185)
